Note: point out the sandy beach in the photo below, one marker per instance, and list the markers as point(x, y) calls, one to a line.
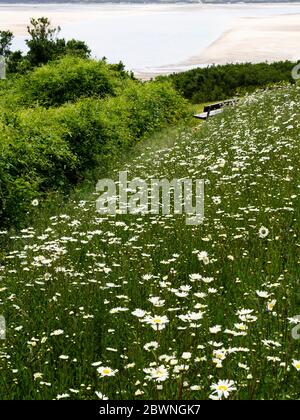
point(252, 33)
point(260, 39)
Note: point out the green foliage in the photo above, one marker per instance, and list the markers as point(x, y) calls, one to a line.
point(62, 114)
point(97, 130)
point(221, 82)
point(34, 158)
point(148, 107)
point(16, 63)
point(46, 149)
point(66, 80)
point(42, 41)
point(6, 38)
point(88, 130)
point(77, 48)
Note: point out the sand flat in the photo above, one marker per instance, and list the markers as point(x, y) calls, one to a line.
point(249, 39)
point(255, 40)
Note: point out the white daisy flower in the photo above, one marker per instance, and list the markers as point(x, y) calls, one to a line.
point(35, 202)
point(106, 371)
point(296, 364)
point(157, 322)
point(262, 294)
point(263, 232)
point(222, 389)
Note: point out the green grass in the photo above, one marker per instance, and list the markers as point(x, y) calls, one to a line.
point(71, 271)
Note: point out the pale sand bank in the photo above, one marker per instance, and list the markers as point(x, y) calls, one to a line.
point(249, 39)
point(255, 39)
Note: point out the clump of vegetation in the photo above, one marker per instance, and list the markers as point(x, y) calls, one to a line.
point(66, 80)
point(221, 82)
point(35, 158)
point(63, 114)
point(68, 117)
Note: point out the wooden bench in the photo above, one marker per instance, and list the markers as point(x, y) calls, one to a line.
point(214, 109)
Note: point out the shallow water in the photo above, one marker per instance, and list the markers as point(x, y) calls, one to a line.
point(146, 37)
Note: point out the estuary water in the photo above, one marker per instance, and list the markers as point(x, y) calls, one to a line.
point(147, 38)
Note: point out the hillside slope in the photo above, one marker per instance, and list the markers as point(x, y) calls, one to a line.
point(79, 290)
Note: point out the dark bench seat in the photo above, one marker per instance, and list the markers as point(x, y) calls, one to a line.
point(214, 109)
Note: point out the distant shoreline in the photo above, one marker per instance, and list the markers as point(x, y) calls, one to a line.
point(259, 37)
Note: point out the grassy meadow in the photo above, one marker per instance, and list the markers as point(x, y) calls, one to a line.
point(146, 307)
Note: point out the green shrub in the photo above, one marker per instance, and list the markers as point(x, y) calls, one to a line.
point(98, 129)
point(88, 129)
point(67, 80)
point(223, 81)
point(149, 107)
point(34, 158)
point(50, 149)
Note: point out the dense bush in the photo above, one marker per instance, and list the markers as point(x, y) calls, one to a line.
point(150, 107)
point(97, 129)
point(221, 82)
point(50, 149)
point(68, 79)
point(34, 158)
point(89, 131)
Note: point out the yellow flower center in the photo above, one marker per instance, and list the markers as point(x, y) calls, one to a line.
point(106, 371)
point(222, 388)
